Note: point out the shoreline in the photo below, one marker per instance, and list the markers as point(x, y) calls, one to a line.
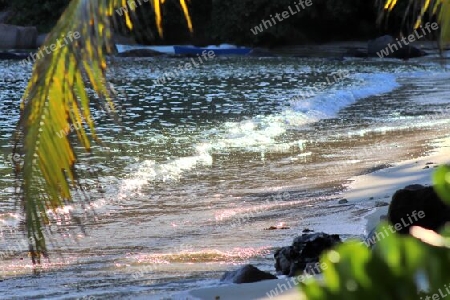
point(376, 186)
point(347, 211)
point(334, 51)
point(386, 182)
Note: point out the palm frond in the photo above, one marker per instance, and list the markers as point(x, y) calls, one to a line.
point(55, 102)
point(421, 9)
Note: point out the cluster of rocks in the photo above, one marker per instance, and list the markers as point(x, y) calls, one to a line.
point(304, 251)
point(302, 255)
point(407, 203)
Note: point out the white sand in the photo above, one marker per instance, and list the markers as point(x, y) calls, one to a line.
point(376, 185)
point(387, 181)
point(257, 290)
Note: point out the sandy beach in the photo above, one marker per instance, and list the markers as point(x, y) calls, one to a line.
point(199, 205)
point(375, 185)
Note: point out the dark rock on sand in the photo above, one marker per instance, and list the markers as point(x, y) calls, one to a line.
point(285, 259)
point(342, 201)
point(414, 187)
point(305, 250)
point(417, 205)
point(246, 274)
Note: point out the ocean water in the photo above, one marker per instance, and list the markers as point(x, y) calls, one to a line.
point(201, 165)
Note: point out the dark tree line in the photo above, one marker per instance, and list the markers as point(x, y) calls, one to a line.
point(230, 21)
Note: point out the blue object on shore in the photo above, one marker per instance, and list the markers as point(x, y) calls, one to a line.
point(217, 51)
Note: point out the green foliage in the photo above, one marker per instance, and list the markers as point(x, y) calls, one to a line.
point(173, 23)
point(4, 4)
point(230, 21)
point(441, 182)
point(56, 101)
point(399, 267)
point(417, 12)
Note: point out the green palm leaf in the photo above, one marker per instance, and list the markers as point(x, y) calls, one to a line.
point(421, 8)
point(55, 102)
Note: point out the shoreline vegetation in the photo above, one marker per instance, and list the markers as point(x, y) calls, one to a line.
point(301, 5)
point(217, 22)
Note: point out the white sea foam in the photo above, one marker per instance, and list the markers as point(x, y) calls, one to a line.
point(148, 171)
point(261, 132)
point(327, 104)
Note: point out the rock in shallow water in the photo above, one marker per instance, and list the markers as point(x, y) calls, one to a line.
point(246, 274)
point(305, 250)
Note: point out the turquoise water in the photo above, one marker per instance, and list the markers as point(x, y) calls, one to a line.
point(200, 165)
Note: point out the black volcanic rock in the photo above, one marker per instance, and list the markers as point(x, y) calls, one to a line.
point(305, 250)
point(417, 205)
point(246, 274)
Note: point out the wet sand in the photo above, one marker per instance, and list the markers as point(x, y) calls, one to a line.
point(376, 186)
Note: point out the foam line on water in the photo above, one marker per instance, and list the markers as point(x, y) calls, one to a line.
point(149, 171)
point(261, 132)
point(327, 104)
